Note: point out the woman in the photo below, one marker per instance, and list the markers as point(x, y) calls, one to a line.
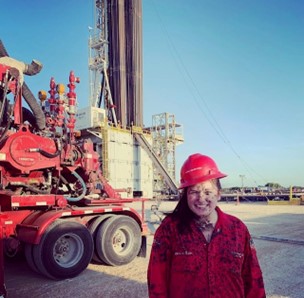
point(198, 250)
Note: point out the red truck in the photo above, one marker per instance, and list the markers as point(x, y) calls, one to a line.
point(56, 206)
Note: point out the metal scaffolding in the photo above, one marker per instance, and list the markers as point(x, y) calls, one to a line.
point(166, 135)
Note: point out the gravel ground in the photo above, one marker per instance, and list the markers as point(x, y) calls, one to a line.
point(278, 233)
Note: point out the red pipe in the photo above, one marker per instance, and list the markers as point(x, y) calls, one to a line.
point(72, 103)
point(52, 99)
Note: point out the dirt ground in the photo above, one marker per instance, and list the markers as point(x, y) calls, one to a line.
point(278, 233)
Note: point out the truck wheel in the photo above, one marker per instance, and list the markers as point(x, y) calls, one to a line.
point(65, 250)
point(28, 252)
point(118, 240)
point(93, 226)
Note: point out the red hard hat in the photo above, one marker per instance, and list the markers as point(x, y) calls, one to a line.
point(198, 168)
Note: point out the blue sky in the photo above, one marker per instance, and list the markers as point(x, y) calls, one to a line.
point(232, 73)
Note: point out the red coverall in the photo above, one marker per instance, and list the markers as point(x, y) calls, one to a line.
point(186, 266)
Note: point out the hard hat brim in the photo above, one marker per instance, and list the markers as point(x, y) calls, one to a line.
point(217, 175)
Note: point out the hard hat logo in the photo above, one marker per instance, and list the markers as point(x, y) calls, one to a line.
point(199, 168)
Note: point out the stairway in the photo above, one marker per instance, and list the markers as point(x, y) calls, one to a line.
point(156, 161)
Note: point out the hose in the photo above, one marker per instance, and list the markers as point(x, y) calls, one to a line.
point(33, 68)
point(27, 115)
point(47, 154)
point(30, 69)
point(3, 51)
point(84, 188)
point(35, 107)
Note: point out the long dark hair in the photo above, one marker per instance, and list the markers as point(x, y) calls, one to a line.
point(182, 213)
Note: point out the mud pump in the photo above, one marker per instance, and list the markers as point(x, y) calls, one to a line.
point(56, 206)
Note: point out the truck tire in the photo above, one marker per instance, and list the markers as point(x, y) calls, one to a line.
point(93, 226)
point(65, 250)
point(118, 240)
point(28, 252)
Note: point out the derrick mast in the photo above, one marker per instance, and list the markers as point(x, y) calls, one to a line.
point(115, 61)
